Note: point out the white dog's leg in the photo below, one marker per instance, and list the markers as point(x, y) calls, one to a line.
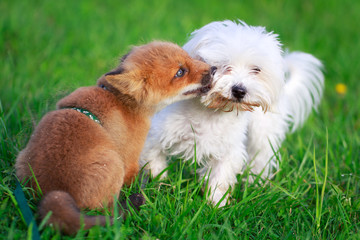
point(216, 188)
point(221, 176)
point(154, 161)
point(266, 133)
point(263, 159)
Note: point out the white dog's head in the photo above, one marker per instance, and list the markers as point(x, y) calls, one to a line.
point(250, 69)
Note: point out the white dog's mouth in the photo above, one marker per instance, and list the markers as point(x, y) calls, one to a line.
point(219, 102)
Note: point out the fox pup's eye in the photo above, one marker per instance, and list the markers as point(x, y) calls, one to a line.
point(180, 73)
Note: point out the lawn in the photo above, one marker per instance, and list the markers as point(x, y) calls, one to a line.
point(49, 48)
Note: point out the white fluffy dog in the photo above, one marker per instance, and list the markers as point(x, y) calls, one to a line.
point(259, 94)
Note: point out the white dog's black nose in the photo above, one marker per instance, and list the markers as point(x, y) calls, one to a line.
point(238, 92)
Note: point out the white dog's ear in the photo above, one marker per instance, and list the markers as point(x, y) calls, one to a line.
point(192, 48)
point(195, 43)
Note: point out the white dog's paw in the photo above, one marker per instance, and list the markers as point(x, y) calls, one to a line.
point(250, 179)
point(219, 198)
point(156, 171)
point(163, 175)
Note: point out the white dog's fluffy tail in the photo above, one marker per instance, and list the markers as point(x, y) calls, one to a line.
point(303, 87)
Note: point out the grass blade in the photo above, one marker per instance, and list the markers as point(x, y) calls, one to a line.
point(33, 231)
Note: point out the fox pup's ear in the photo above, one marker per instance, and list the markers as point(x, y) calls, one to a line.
point(119, 69)
point(128, 79)
point(127, 82)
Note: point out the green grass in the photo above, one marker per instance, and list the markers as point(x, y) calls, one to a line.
point(49, 48)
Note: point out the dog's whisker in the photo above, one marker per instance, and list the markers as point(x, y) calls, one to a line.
point(230, 108)
point(225, 104)
point(218, 102)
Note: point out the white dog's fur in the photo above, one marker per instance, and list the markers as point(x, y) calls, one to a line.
point(267, 92)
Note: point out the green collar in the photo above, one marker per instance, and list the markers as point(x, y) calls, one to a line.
point(87, 113)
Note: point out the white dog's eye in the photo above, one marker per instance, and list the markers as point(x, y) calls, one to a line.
point(227, 70)
point(180, 73)
point(255, 70)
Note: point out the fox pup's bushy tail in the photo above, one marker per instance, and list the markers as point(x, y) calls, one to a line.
point(66, 214)
point(67, 217)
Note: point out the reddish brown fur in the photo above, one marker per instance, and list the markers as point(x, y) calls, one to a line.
point(79, 163)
